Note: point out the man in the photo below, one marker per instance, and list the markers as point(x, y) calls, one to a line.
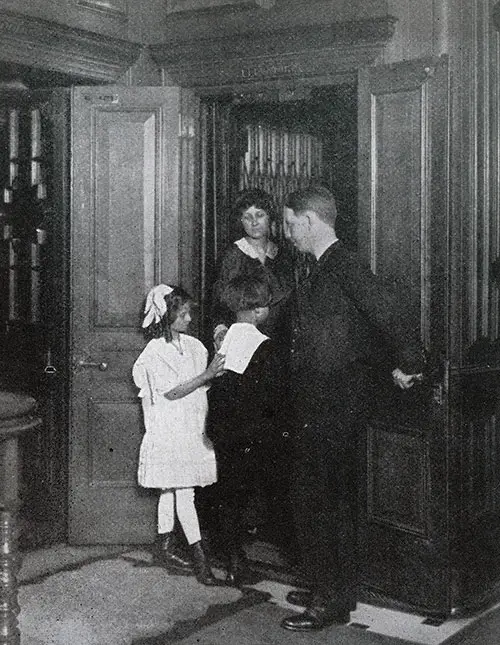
point(345, 326)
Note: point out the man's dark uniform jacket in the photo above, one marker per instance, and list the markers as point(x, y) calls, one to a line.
point(347, 328)
point(344, 315)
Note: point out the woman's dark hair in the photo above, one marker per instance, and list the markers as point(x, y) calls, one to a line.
point(175, 301)
point(255, 197)
point(246, 292)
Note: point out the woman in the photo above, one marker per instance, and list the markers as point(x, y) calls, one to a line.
point(256, 253)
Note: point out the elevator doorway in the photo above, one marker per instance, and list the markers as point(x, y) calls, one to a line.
point(385, 153)
point(279, 144)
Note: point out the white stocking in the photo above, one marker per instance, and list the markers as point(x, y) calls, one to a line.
point(186, 512)
point(166, 511)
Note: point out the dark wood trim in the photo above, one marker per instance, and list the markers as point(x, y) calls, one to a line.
point(472, 370)
point(308, 52)
point(114, 8)
point(43, 44)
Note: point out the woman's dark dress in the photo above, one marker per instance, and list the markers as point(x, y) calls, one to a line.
point(276, 271)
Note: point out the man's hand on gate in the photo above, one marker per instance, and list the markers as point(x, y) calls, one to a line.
point(405, 381)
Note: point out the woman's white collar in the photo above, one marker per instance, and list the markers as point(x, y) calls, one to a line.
point(244, 245)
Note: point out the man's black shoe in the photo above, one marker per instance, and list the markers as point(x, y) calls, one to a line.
point(299, 597)
point(316, 618)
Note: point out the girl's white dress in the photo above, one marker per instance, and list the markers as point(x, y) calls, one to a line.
point(175, 451)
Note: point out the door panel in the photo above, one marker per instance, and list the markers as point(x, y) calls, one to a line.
point(403, 164)
point(125, 225)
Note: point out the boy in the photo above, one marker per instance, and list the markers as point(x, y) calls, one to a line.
point(243, 407)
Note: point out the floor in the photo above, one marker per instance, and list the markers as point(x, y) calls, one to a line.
point(115, 596)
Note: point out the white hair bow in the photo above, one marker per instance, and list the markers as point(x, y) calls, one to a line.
point(156, 307)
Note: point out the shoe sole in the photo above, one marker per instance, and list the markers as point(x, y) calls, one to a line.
point(303, 629)
point(344, 620)
point(314, 629)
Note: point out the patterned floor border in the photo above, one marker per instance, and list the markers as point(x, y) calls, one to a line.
point(387, 622)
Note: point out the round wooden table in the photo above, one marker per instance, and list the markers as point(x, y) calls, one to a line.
point(17, 417)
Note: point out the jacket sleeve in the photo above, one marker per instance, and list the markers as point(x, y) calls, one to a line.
point(384, 310)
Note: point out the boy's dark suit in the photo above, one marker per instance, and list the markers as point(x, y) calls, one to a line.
point(346, 328)
point(242, 424)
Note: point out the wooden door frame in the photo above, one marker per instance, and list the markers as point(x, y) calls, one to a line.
point(279, 56)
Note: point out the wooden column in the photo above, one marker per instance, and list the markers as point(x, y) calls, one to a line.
point(17, 416)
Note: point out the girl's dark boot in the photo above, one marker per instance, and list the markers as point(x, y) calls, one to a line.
point(201, 566)
point(166, 554)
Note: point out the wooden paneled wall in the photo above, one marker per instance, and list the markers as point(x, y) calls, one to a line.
point(478, 165)
point(474, 304)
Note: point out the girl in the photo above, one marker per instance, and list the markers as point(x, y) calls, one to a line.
point(175, 453)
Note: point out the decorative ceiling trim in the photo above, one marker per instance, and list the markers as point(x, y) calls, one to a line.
point(310, 51)
point(39, 43)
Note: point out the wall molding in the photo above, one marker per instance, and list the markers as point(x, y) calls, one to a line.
point(184, 6)
point(25, 40)
point(287, 54)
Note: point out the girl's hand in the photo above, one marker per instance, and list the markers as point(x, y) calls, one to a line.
point(216, 367)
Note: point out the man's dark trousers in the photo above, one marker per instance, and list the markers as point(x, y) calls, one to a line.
point(325, 491)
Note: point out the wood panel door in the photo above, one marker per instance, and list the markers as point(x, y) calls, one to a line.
point(404, 233)
point(125, 237)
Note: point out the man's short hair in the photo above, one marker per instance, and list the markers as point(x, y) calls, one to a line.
point(246, 292)
point(315, 198)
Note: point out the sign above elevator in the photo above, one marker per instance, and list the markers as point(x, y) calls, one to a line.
point(318, 53)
